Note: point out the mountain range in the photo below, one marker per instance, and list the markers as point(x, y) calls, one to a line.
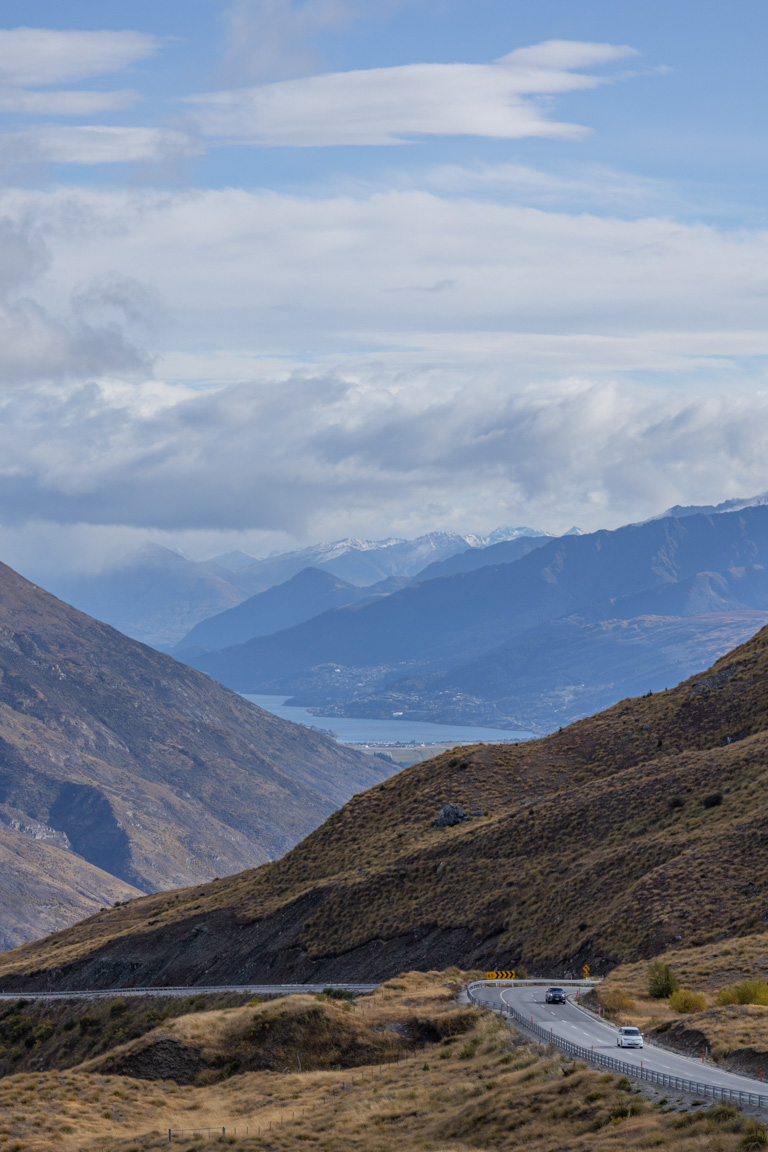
point(307, 594)
point(122, 770)
point(158, 595)
point(606, 842)
point(573, 624)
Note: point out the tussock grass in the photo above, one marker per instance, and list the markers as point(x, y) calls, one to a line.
point(507, 1095)
point(297, 1033)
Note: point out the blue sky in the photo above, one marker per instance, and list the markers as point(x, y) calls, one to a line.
point(276, 272)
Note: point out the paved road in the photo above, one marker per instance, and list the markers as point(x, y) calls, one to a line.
point(248, 989)
point(569, 1022)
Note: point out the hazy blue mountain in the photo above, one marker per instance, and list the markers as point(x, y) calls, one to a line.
point(158, 595)
point(155, 595)
point(676, 566)
point(305, 595)
point(233, 561)
point(562, 670)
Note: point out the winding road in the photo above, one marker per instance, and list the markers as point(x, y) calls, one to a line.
point(569, 1024)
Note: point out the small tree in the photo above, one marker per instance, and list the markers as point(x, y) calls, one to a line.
point(662, 981)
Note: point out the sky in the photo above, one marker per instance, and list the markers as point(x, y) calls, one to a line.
point(276, 272)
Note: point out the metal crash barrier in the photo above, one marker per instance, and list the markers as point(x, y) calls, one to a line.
point(663, 1079)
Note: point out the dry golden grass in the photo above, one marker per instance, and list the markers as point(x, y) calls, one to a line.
point(296, 1033)
point(706, 970)
point(487, 1089)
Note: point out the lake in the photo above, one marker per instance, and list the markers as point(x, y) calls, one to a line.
point(351, 730)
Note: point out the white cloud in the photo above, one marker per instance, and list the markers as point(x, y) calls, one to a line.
point(32, 57)
point(94, 144)
point(593, 186)
point(565, 54)
point(383, 106)
point(100, 331)
point(280, 274)
point(323, 455)
point(496, 399)
point(63, 103)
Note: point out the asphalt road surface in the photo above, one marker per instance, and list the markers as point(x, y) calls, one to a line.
point(248, 989)
point(570, 1022)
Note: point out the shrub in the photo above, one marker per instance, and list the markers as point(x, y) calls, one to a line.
point(686, 1001)
point(676, 802)
point(713, 801)
point(44, 1031)
point(662, 981)
point(748, 992)
point(723, 1112)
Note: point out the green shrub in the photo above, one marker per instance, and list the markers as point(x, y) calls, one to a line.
point(686, 1001)
point(662, 981)
point(748, 992)
point(44, 1031)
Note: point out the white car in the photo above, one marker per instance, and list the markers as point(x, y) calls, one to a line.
point(629, 1038)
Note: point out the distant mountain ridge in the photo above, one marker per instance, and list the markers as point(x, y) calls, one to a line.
point(466, 619)
point(303, 596)
point(734, 505)
point(157, 595)
point(367, 562)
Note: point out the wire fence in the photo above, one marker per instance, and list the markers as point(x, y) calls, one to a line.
point(288, 1115)
point(663, 1079)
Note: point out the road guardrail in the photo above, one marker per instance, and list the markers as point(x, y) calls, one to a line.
point(202, 990)
point(680, 1083)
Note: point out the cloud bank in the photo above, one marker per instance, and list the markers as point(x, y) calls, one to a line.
point(385, 106)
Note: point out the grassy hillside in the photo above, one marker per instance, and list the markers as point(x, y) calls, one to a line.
point(117, 760)
point(603, 843)
point(464, 1080)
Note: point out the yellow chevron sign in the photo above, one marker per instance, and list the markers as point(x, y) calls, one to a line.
point(500, 975)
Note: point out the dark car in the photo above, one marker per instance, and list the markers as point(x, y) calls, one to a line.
point(555, 996)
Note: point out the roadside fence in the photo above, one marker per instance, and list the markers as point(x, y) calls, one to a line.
point(663, 1079)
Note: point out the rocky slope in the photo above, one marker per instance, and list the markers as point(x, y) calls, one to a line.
point(604, 842)
point(123, 770)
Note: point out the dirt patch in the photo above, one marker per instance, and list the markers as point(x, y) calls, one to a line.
point(161, 1058)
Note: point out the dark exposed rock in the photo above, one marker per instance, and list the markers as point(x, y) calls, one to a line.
point(450, 815)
